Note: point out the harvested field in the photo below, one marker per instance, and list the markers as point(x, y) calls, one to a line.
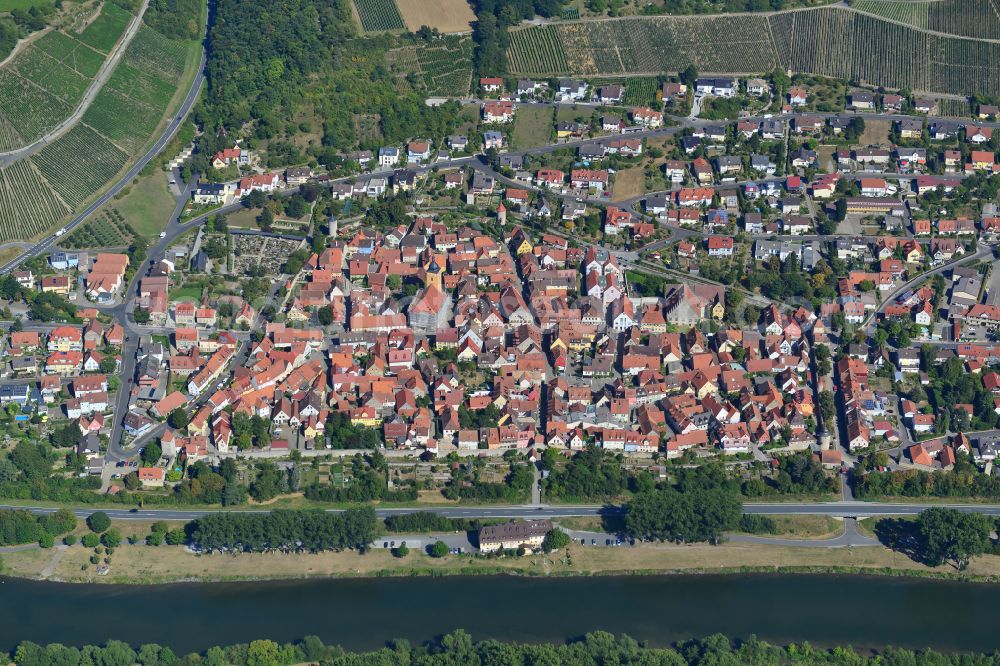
point(445, 15)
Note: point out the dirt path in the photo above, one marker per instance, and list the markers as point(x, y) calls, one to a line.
point(9, 157)
point(57, 555)
point(23, 44)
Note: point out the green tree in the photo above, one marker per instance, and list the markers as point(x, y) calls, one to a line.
point(112, 538)
point(555, 540)
point(438, 549)
point(91, 540)
point(98, 521)
point(947, 534)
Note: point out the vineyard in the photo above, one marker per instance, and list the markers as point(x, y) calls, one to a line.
point(37, 192)
point(446, 66)
point(379, 15)
point(645, 45)
point(967, 18)
point(904, 11)
point(108, 229)
point(79, 163)
point(42, 85)
point(538, 50)
point(104, 31)
point(442, 67)
point(27, 205)
point(856, 46)
point(639, 90)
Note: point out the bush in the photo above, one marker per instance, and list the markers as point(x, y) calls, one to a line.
point(69, 539)
point(111, 539)
point(91, 540)
point(401, 551)
point(46, 541)
point(98, 521)
point(555, 540)
point(753, 523)
point(439, 549)
point(155, 539)
point(176, 537)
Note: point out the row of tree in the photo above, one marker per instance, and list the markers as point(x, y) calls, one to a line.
point(459, 648)
point(285, 530)
point(18, 527)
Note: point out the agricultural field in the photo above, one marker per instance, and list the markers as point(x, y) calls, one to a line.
point(79, 163)
point(445, 15)
point(537, 50)
point(28, 205)
point(956, 108)
point(965, 18)
point(103, 32)
point(904, 11)
point(379, 15)
point(43, 83)
point(442, 66)
point(639, 90)
point(109, 229)
point(854, 49)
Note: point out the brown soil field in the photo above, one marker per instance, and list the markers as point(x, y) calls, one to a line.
point(445, 15)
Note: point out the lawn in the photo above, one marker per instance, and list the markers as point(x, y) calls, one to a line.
point(630, 182)
point(146, 564)
point(876, 132)
point(532, 127)
point(148, 205)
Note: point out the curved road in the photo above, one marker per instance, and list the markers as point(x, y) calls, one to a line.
point(103, 74)
point(154, 150)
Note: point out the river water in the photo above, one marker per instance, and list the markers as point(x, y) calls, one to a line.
point(364, 614)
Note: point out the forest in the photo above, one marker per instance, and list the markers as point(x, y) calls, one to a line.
point(305, 62)
point(593, 649)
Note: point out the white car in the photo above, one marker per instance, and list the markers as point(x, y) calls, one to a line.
point(163, 234)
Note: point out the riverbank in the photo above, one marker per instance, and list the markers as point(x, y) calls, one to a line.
point(147, 565)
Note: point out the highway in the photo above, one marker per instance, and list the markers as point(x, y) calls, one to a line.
point(850, 509)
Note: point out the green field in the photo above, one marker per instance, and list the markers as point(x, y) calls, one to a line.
point(532, 126)
point(103, 33)
point(11, 5)
point(28, 205)
point(379, 15)
point(854, 47)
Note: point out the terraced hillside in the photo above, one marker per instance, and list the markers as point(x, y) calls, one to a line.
point(831, 41)
point(35, 193)
point(45, 82)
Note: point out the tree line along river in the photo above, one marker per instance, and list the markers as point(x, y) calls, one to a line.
point(362, 614)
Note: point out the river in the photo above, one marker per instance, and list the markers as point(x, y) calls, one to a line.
point(363, 614)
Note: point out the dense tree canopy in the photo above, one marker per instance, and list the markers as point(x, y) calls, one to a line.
point(308, 530)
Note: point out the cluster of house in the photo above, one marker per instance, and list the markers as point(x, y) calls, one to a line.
point(564, 355)
point(63, 351)
point(267, 182)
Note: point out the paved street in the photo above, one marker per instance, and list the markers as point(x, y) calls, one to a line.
point(849, 509)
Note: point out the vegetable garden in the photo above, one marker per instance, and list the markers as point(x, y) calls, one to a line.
point(378, 15)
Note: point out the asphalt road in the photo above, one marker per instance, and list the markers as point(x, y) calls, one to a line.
point(834, 509)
